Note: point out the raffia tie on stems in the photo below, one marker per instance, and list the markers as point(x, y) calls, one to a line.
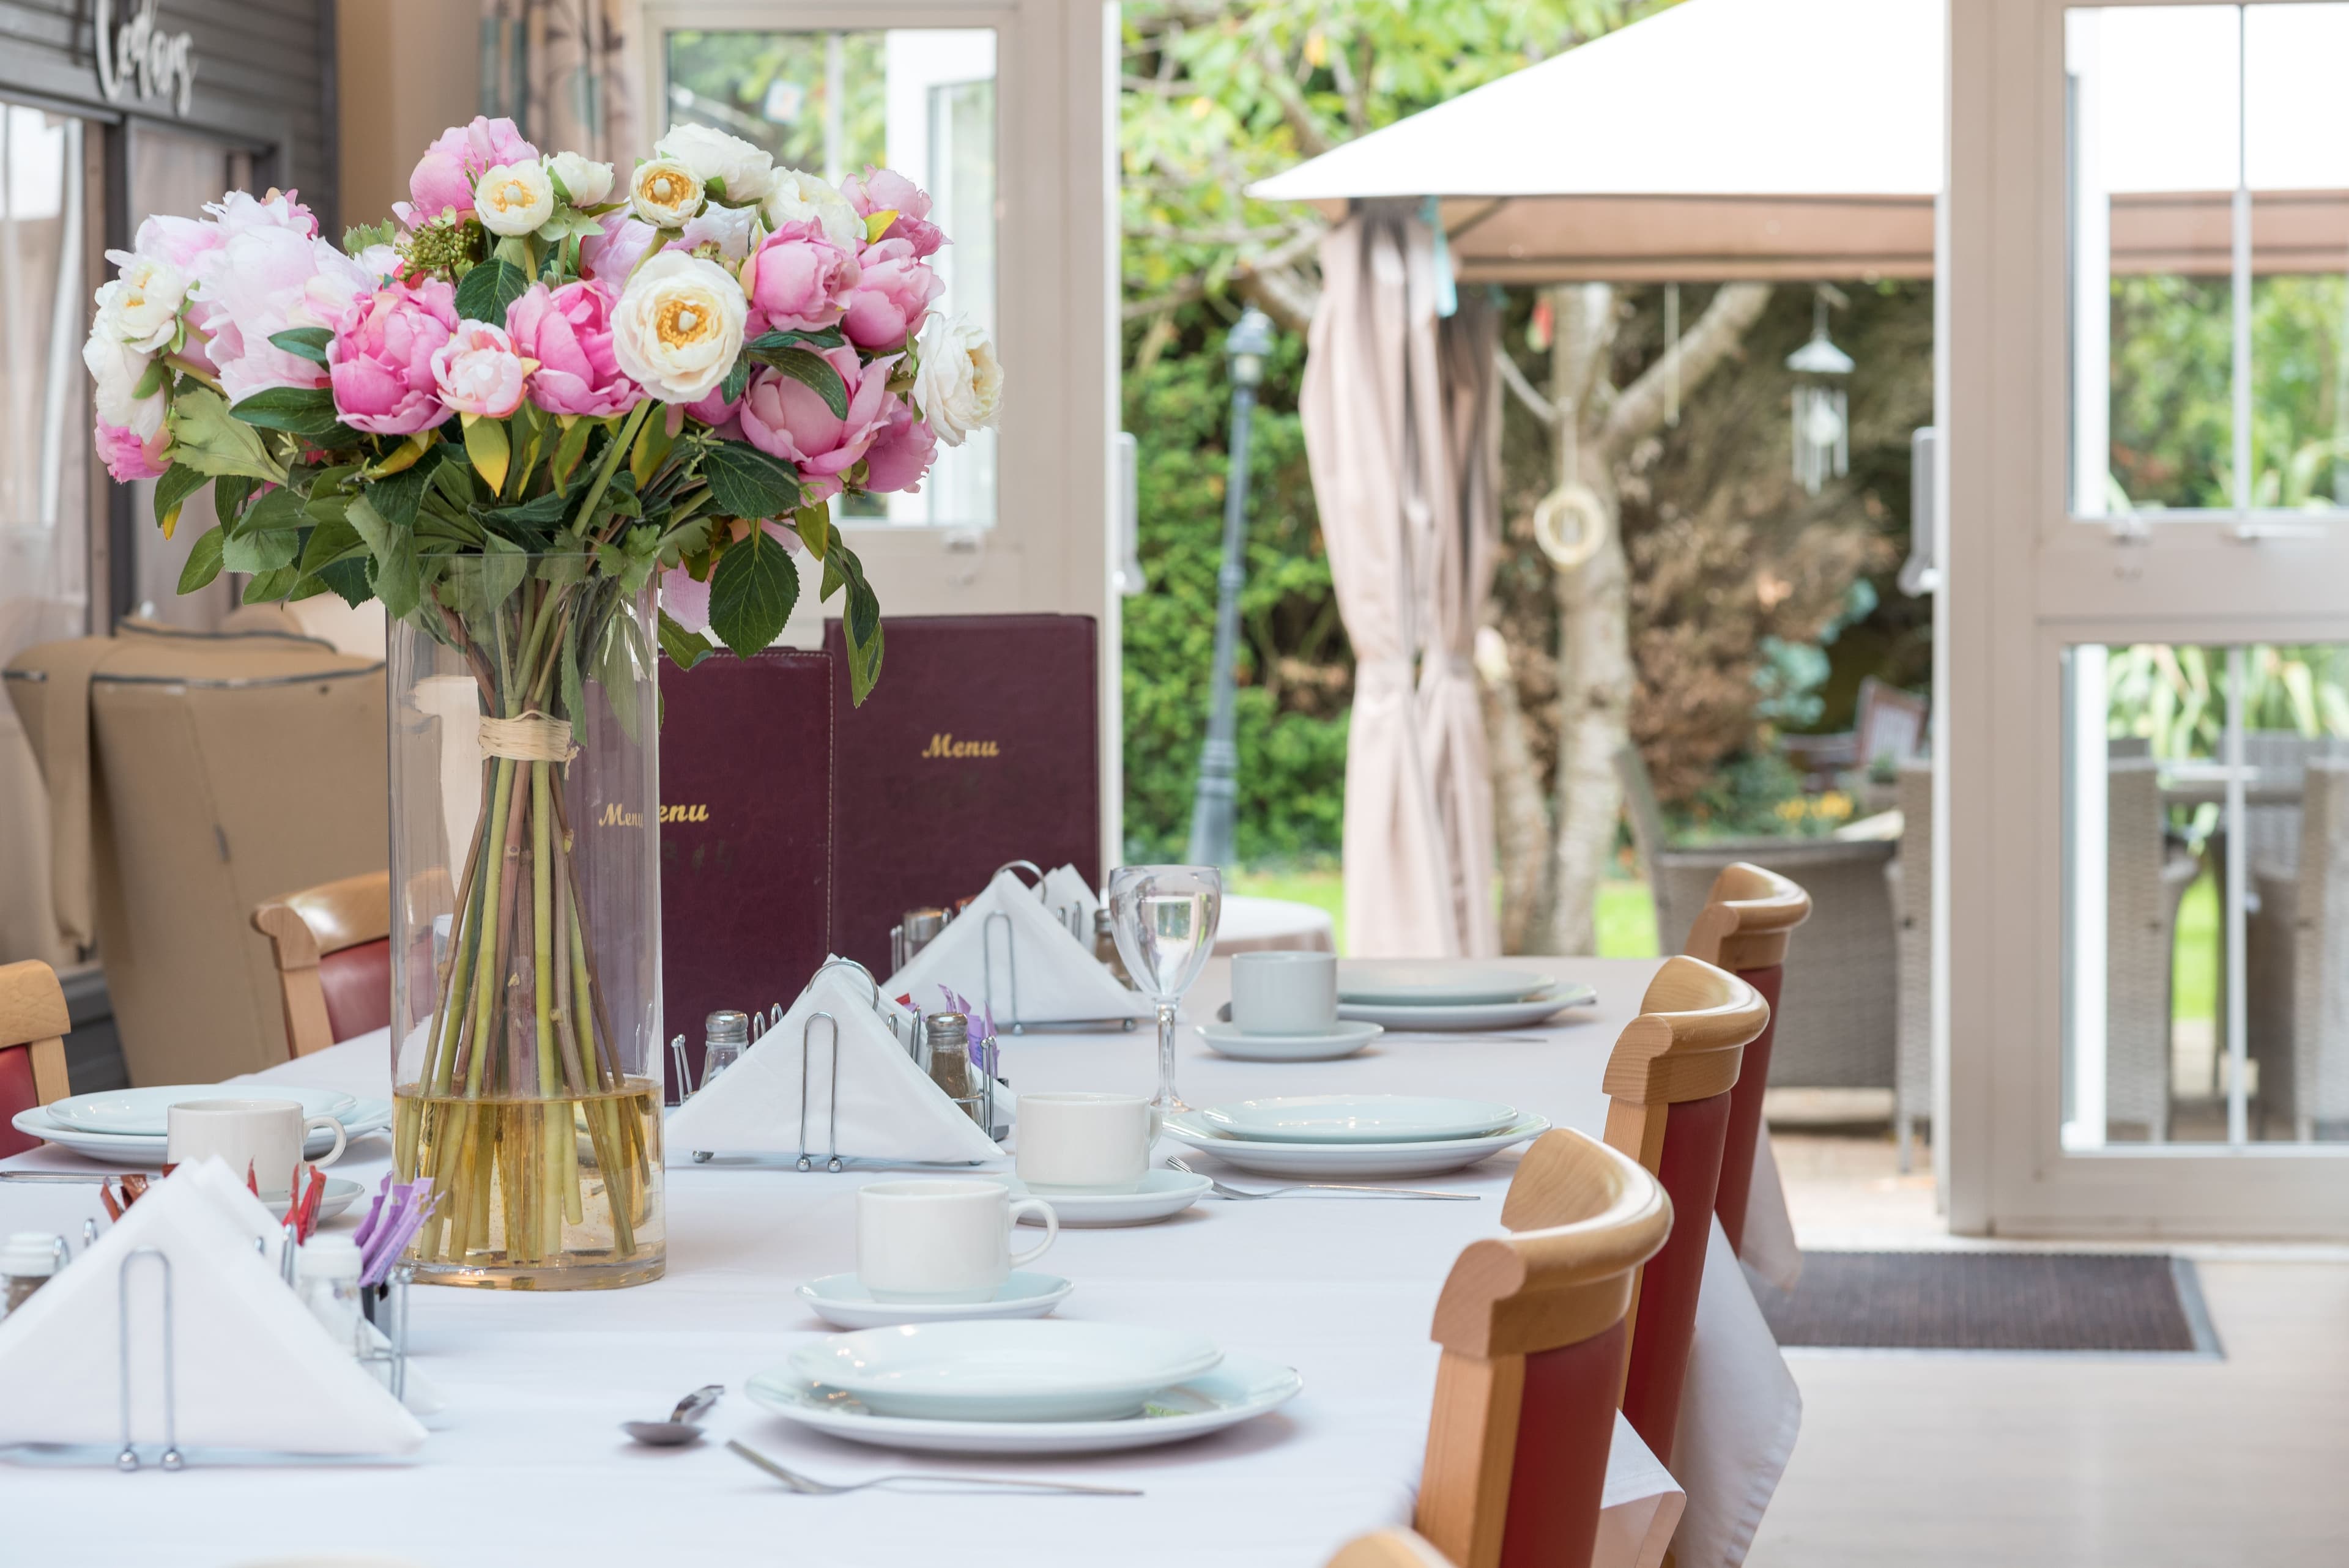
point(530, 737)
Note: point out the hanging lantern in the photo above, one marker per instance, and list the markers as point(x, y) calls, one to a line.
point(1822, 408)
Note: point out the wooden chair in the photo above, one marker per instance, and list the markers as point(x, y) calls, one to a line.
point(1389, 1548)
point(33, 1027)
point(333, 944)
point(1668, 1087)
point(1743, 930)
point(1531, 1326)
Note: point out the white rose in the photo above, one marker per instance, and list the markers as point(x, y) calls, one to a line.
point(713, 155)
point(665, 193)
point(959, 386)
point(678, 326)
point(514, 198)
point(804, 197)
point(117, 369)
point(588, 183)
point(141, 308)
point(727, 228)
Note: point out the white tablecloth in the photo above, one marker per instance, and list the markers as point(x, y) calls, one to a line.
point(1265, 924)
point(527, 1463)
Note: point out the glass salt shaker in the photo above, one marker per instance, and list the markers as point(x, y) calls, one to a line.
point(949, 1035)
point(725, 1036)
point(28, 1260)
point(328, 1269)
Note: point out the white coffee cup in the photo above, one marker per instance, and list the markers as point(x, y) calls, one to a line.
point(264, 1136)
point(942, 1240)
point(1086, 1142)
point(1284, 993)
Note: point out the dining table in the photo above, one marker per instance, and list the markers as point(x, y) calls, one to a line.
point(527, 1463)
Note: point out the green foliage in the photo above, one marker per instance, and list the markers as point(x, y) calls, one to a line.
point(2174, 697)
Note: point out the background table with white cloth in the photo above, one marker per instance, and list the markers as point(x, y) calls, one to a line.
point(527, 1458)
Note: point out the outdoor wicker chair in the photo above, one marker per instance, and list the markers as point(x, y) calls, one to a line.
point(1910, 879)
point(2146, 876)
point(2297, 965)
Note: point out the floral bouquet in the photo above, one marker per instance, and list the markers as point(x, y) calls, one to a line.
point(502, 413)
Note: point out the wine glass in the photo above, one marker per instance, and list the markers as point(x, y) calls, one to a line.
point(1164, 918)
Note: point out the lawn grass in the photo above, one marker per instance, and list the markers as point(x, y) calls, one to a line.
point(2194, 953)
point(1627, 914)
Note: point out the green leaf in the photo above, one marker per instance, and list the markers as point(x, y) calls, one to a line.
point(368, 236)
point(492, 453)
point(813, 372)
point(399, 578)
point(616, 667)
point(489, 288)
point(304, 410)
point(271, 587)
point(746, 483)
point(751, 593)
point(395, 498)
point(685, 649)
point(370, 523)
point(305, 342)
point(567, 452)
point(814, 526)
point(332, 541)
point(504, 567)
point(574, 701)
point(152, 379)
point(259, 553)
point(280, 508)
point(203, 559)
point(208, 438)
point(348, 577)
point(737, 380)
point(229, 494)
point(173, 490)
point(860, 618)
point(777, 337)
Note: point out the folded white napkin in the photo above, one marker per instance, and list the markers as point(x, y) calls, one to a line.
point(887, 1107)
point(1040, 972)
point(1070, 899)
point(252, 1369)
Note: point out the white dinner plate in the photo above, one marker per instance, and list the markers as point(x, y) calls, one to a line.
point(1162, 1195)
point(128, 1150)
point(1341, 1041)
point(1241, 1389)
point(1309, 1161)
point(1420, 982)
point(1516, 1015)
point(340, 1195)
point(146, 1112)
point(1354, 1118)
point(1040, 1370)
point(842, 1301)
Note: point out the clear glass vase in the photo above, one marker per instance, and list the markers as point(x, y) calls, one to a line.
point(526, 947)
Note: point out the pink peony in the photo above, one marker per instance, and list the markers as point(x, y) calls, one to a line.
point(886, 191)
point(240, 211)
point(569, 332)
point(797, 279)
point(785, 418)
point(179, 240)
point(265, 279)
point(685, 601)
point(478, 372)
point(614, 254)
point(127, 457)
point(443, 177)
point(891, 294)
point(902, 453)
point(716, 412)
point(381, 359)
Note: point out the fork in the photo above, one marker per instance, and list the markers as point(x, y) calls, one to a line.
point(809, 1486)
point(1175, 1163)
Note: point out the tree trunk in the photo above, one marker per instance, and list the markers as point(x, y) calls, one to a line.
point(1594, 696)
point(1520, 815)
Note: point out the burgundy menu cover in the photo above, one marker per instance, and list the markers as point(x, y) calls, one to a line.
point(979, 746)
point(745, 834)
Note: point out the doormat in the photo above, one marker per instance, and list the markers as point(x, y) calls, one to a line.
point(2127, 1303)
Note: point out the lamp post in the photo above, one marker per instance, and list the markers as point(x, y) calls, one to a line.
point(1216, 804)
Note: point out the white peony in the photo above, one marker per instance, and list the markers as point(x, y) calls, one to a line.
point(665, 193)
point(117, 369)
point(959, 386)
point(802, 196)
point(678, 326)
point(141, 308)
point(588, 181)
point(514, 198)
point(714, 156)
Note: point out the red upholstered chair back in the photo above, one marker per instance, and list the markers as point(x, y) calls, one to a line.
point(1532, 1328)
point(1670, 1087)
point(1744, 929)
point(33, 1027)
point(333, 946)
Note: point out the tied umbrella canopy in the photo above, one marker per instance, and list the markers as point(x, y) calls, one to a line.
point(1375, 441)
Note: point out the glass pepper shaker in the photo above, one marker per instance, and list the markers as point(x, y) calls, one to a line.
point(949, 1037)
point(328, 1270)
point(725, 1036)
point(28, 1260)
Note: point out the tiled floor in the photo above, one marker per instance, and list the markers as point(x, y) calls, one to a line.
point(2064, 1461)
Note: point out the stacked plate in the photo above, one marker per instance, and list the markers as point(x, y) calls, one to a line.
point(128, 1128)
point(1404, 994)
point(1334, 1135)
point(1035, 1386)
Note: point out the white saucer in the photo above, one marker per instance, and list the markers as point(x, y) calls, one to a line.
point(340, 1195)
point(1164, 1194)
point(146, 1112)
point(1447, 1017)
point(1356, 1118)
point(1311, 1160)
point(1342, 1041)
point(1051, 1369)
point(842, 1301)
point(1435, 983)
point(141, 1153)
point(1242, 1388)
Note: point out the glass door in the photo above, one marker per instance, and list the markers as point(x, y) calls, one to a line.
point(2149, 529)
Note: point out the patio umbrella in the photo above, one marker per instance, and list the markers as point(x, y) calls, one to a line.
point(1375, 441)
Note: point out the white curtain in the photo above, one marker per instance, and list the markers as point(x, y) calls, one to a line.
point(1375, 441)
